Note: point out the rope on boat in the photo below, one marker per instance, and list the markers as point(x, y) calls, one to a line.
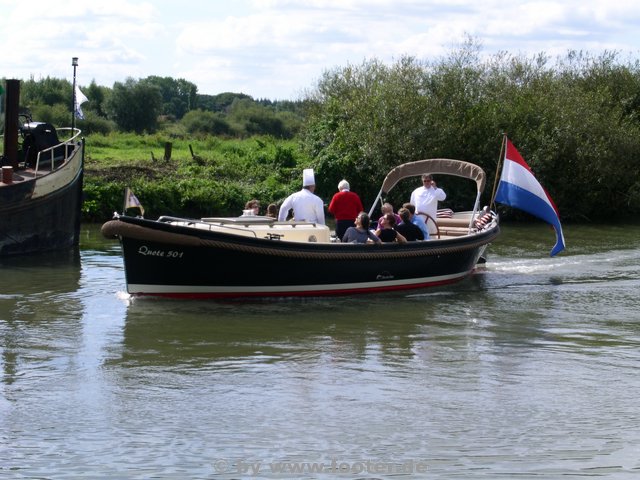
point(116, 228)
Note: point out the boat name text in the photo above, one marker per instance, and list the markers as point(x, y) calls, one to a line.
point(146, 251)
point(384, 276)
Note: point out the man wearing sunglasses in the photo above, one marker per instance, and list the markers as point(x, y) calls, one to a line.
point(426, 198)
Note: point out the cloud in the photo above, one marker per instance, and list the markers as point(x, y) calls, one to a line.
point(278, 48)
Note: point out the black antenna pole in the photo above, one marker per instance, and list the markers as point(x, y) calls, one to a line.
point(74, 63)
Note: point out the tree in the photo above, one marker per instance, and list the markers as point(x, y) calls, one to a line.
point(220, 102)
point(48, 91)
point(365, 119)
point(576, 122)
point(178, 96)
point(135, 106)
point(96, 95)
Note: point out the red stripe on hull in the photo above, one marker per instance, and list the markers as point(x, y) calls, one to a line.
point(307, 293)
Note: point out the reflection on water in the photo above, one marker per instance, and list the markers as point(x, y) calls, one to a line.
point(527, 369)
point(37, 295)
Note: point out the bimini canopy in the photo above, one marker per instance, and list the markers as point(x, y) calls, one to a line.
point(435, 166)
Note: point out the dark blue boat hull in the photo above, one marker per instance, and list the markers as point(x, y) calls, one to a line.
point(167, 260)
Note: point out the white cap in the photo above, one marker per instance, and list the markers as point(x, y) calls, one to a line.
point(307, 177)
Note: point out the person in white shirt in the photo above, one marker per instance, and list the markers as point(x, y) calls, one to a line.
point(307, 206)
point(426, 198)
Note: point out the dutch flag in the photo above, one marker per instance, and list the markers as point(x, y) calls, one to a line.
point(519, 188)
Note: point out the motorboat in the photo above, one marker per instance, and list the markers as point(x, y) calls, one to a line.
point(256, 256)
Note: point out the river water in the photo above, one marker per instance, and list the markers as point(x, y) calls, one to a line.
point(529, 369)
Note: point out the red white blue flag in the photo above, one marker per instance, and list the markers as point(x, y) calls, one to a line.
point(519, 188)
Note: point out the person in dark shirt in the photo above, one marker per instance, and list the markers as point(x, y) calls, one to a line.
point(410, 231)
point(386, 231)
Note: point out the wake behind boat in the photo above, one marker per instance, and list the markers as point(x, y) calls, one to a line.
point(41, 183)
point(257, 256)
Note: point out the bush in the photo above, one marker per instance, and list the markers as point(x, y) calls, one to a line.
point(574, 122)
point(207, 123)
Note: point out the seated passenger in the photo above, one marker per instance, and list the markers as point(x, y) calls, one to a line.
point(360, 233)
point(386, 231)
point(272, 210)
point(417, 220)
point(251, 208)
point(388, 208)
point(410, 231)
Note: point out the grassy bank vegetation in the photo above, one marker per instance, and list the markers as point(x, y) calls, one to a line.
point(218, 179)
point(575, 119)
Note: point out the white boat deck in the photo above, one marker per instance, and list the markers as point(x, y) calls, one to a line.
point(262, 227)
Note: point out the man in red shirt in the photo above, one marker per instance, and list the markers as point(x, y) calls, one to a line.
point(345, 207)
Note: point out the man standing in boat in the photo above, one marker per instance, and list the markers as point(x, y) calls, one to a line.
point(426, 198)
point(345, 207)
point(307, 206)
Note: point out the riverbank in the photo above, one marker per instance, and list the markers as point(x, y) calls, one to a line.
point(202, 177)
point(214, 176)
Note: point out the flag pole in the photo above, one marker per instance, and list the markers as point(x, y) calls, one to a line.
point(498, 173)
point(74, 64)
point(126, 197)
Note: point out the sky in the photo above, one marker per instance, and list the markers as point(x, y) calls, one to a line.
point(279, 49)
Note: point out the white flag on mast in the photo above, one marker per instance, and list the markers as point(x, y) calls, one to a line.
point(131, 201)
point(80, 98)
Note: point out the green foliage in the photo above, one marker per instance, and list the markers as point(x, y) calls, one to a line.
point(250, 118)
point(135, 106)
point(97, 96)
point(576, 123)
point(93, 123)
point(226, 174)
point(178, 96)
point(243, 118)
point(101, 199)
point(48, 91)
point(220, 102)
point(57, 115)
point(208, 123)
point(365, 119)
point(49, 100)
point(576, 120)
point(153, 103)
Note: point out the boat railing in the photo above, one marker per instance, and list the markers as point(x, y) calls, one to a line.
point(201, 224)
point(250, 220)
point(49, 156)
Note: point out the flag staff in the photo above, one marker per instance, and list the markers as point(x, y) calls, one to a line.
point(74, 64)
point(126, 200)
point(495, 180)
